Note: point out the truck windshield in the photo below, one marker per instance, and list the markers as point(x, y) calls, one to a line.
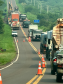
point(15, 19)
point(23, 16)
point(37, 31)
point(26, 22)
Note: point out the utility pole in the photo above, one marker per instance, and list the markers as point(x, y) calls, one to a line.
point(34, 2)
point(47, 9)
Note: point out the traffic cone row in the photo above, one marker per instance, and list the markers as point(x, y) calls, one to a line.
point(0, 79)
point(29, 39)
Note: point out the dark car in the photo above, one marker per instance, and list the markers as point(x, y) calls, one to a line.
point(54, 62)
point(26, 23)
point(22, 17)
point(16, 8)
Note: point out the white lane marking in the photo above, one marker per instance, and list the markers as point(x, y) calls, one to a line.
point(16, 58)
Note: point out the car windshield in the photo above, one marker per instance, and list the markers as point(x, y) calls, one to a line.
point(15, 19)
point(26, 22)
point(14, 31)
point(37, 31)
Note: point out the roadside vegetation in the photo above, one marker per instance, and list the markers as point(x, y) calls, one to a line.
point(6, 40)
point(47, 13)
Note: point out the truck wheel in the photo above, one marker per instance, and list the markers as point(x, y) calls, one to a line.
point(58, 77)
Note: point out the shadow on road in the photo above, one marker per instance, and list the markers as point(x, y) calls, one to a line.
point(34, 66)
point(36, 58)
point(50, 81)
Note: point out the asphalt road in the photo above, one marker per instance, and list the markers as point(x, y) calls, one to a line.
point(22, 71)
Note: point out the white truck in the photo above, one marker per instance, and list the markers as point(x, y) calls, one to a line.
point(36, 34)
point(48, 44)
point(31, 27)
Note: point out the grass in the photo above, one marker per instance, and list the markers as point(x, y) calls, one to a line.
point(7, 42)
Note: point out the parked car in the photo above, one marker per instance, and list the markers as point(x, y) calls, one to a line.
point(54, 62)
point(14, 33)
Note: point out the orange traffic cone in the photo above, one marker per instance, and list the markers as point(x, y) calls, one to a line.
point(23, 40)
point(0, 79)
point(29, 39)
point(42, 58)
point(39, 72)
point(43, 64)
point(17, 40)
point(38, 51)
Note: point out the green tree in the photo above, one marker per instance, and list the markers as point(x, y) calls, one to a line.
point(1, 20)
point(1, 2)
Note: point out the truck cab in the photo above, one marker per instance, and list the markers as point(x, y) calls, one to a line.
point(26, 23)
point(15, 20)
point(48, 44)
point(43, 42)
point(31, 27)
point(36, 34)
point(22, 17)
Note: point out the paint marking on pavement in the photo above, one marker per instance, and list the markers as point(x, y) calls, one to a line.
point(32, 79)
point(39, 78)
point(36, 76)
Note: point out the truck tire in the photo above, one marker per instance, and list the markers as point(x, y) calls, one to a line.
point(58, 77)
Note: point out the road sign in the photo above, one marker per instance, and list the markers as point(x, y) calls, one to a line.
point(36, 21)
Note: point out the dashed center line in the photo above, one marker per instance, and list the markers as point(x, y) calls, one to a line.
point(36, 76)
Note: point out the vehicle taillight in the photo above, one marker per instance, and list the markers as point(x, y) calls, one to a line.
point(59, 66)
point(54, 60)
point(45, 45)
